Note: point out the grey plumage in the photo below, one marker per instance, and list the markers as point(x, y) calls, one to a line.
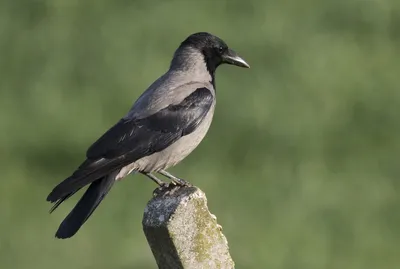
point(164, 125)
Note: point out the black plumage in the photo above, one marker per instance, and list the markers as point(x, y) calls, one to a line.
point(126, 142)
point(165, 124)
point(85, 206)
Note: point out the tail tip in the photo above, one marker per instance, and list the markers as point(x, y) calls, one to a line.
point(63, 233)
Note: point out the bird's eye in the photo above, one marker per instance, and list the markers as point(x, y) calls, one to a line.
point(221, 49)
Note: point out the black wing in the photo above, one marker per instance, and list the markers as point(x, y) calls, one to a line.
point(132, 139)
point(141, 137)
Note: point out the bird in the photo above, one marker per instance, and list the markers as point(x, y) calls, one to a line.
point(164, 125)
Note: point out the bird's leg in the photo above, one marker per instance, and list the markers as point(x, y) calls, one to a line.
point(175, 179)
point(159, 182)
point(164, 188)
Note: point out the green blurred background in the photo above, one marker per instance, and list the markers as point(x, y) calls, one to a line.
point(302, 162)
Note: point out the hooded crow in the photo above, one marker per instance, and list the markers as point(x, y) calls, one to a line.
point(164, 125)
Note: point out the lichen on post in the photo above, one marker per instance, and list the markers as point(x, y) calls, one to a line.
point(182, 233)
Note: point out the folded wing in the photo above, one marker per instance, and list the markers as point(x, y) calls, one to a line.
point(132, 139)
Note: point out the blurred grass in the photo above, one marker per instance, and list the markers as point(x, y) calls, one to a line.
point(301, 164)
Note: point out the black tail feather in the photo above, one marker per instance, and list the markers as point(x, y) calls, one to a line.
point(61, 200)
point(85, 207)
point(88, 172)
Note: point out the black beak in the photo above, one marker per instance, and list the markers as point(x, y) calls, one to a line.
point(231, 57)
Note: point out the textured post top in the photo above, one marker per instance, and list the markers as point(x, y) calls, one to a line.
point(182, 233)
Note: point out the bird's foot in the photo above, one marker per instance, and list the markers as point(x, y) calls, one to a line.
point(181, 182)
point(166, 188)
point(175, 180)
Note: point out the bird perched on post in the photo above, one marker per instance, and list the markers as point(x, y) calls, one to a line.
point(164, 125)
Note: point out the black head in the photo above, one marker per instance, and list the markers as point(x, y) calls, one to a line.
point(214, 50)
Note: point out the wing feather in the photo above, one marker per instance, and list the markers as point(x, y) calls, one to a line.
point(132, 139)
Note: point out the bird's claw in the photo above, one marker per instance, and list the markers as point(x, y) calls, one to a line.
point(165, 188)
point(181, 182)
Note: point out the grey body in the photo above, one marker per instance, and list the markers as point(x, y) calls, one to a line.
point(166, 123)
point(171, 88)
point(177, 151)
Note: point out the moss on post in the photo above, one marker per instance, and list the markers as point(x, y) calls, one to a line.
point(182, 233)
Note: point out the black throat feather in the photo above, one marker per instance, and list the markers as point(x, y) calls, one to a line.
point(212, 62)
